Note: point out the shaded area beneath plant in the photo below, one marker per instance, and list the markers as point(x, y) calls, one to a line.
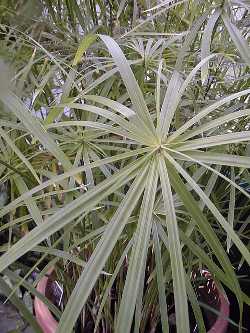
point(11, 320)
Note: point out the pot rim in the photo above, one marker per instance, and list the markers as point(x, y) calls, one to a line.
point(43, 315)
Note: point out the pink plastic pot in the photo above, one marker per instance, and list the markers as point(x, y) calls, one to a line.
point(221, 324)
point(43, 315)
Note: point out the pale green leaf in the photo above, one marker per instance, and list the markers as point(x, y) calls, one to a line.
point(130, 82)
point(100, 255)
point(206, 111)
point(178, 272)
point(85, 43)
point(160, 281)
point(139, 254)
point(239, 41)
point(206, 42)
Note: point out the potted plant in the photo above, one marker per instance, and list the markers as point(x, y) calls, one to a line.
point(123, 131)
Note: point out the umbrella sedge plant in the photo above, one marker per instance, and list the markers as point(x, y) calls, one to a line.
point(120, 183)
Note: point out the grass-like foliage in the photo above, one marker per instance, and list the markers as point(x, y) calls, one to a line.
point(124, 132)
